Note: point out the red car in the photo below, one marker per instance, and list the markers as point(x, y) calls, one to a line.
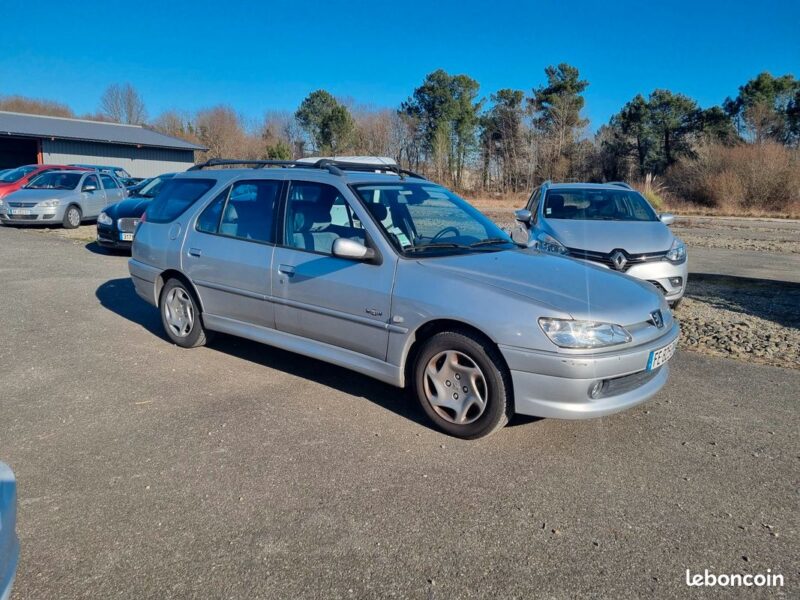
point(21, 176)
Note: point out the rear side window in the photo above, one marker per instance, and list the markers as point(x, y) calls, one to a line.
point(247, 214)
point(175, 197)
point(108, 182)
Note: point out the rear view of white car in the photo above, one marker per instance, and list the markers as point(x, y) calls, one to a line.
point(611, 225)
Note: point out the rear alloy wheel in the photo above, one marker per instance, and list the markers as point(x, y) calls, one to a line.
point(463, 385)
point(72, 217)
point(180, 315)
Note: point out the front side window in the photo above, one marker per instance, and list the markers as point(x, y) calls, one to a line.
point(316, 216)
point(15, 175)
point(90, 181)
point(55, 180)
point(175, 197)
point(588, 204)
point(108, 182)
point(422, 218)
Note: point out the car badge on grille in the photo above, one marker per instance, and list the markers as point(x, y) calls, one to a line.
point(619, 260)
point(657, 319)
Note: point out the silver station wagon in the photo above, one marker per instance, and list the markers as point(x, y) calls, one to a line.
point(381, 271)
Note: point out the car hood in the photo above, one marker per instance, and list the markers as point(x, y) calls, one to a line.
point(635, 237)
point(567, 285)
point(131, 207)
point(38, 195)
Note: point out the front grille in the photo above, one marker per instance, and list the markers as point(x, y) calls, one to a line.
point(22, 204)
point(127, 224)
point(607, 258)
point(627, 383)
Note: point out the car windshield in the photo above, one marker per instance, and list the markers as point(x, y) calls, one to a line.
point(150, 187)
point(588, 204)
point(15, 175)
point(55, 181)
point(425, 218)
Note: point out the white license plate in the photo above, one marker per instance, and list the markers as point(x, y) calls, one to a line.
point(20, 211)
point(126, 237)
point(660, 356)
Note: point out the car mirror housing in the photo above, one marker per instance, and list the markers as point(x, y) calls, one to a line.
point(524, 216)
point(89, 187)
point(352, 250)
point(667, 218)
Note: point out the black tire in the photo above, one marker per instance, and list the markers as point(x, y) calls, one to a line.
point(196, 334)
point(675, 303)
point(498, 388)
point(70, 220)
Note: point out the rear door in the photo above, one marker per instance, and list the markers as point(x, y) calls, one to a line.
point(112, 188)
point(228, 251)
point(341, 302)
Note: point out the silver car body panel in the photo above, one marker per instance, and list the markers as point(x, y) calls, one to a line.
point(365, 315)
point(9, 542)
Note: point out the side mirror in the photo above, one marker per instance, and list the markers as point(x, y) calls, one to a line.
point(524, 216)
point(667, 218)
point(352, 250)
point(89, 187)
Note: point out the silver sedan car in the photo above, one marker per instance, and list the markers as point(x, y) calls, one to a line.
point(611, 225)
point(62, 198)
point(394, 276)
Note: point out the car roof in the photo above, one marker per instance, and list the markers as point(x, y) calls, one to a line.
point(314, 174)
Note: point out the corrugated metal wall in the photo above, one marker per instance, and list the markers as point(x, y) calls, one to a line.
point(139, 162)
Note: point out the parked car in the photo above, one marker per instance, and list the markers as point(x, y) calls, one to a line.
point(9, 542)
point(121, 174)
point(66, 197)
point(611, 225)
point(396, 277)
point(117, 223)
point(15, 179)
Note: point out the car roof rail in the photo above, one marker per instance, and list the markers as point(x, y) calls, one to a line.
point(335, 167)
point(621, 184)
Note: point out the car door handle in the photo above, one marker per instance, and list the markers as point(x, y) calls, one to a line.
point(286, 270)
point(195, 252)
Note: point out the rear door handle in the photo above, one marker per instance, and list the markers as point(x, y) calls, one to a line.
point(286, 270)
point(195, 251)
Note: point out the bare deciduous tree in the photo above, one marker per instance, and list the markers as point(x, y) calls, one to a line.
point(121, 103)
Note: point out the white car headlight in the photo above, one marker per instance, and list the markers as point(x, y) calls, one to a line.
point(48, 204)
point(677, 252)
point(567, 333)
point(104, 219)
point(547, 243)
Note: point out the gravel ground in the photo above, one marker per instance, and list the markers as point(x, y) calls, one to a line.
point(752, 320)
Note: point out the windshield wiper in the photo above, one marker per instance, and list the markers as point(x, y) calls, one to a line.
point(436, 245)
point(494, 241)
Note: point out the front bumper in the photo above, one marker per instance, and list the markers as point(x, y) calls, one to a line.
point(660, 273)
point(109, 237)
point(35, 216)
point(556, 385)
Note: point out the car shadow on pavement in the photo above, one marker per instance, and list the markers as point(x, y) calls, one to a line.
point(119, 296)
point(768, 299)
point(96, 248)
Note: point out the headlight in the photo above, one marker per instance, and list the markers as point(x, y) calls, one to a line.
point(677, 252)
point(104, 219)
point(48, 204)
point(583, 334)
point(547, 243)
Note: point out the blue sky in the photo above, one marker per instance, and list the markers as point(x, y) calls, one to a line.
point(258, 56)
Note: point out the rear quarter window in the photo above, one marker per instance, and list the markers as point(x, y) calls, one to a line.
point(174, 197)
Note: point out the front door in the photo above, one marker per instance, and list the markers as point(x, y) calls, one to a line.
point(94, 201)
point(228, 252)
point(318, 296)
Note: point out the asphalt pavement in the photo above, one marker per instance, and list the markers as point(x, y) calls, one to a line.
point(242, 471)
